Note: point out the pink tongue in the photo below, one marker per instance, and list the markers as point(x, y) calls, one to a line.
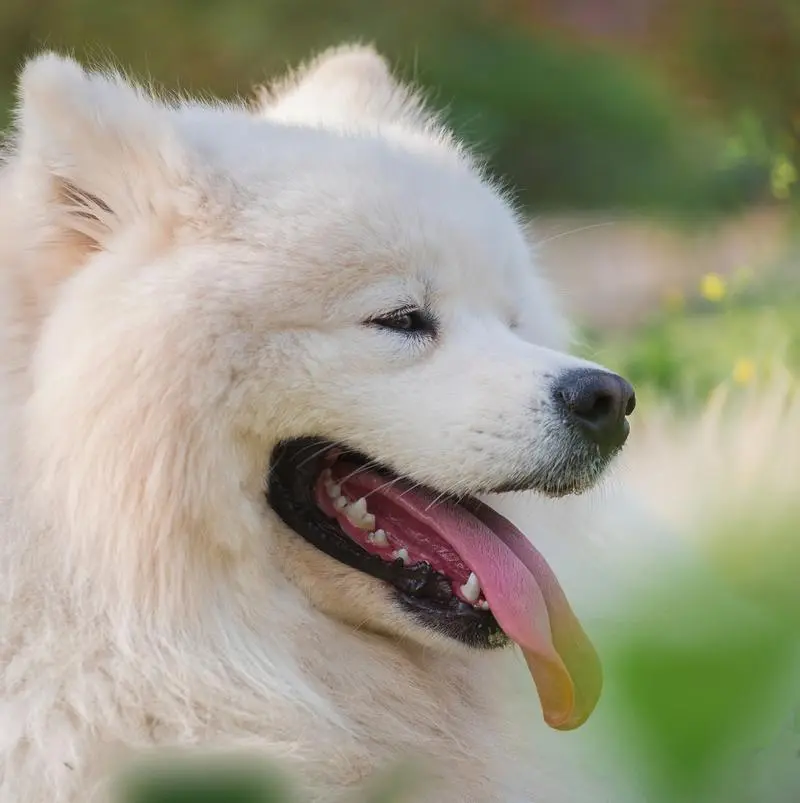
point(522, 591)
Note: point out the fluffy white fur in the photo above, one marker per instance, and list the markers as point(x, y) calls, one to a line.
point(181, 286)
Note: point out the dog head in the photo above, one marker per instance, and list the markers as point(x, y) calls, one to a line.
point(297, 341)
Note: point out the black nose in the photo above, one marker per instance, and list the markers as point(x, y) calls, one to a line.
point(597, 403)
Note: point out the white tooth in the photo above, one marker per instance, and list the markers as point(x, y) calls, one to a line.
point(482, 604)
point(331, 487)
point(401, 553)
point(378, 538)
point(365, 522)
point(340, 503)
point(357, 509)
point(472, 588)
point(358, 515)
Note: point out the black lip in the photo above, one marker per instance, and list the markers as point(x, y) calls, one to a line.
point(425, 593)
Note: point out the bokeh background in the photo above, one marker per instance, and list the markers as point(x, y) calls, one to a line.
point(655, 145)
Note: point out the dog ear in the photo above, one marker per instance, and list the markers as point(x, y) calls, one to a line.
point(348, 87)
point(102, 153)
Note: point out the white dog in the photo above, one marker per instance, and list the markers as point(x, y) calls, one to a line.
point(257, 366)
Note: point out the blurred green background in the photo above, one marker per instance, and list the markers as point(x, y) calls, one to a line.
point(654, 144)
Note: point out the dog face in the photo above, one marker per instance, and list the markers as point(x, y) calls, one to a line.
point(299, 341)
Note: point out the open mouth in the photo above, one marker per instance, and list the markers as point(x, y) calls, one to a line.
point(456, 565)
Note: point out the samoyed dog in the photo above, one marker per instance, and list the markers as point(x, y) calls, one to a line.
point(276, 380)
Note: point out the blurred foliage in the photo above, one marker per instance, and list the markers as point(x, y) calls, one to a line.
point(239, 779)
point(569, 125)
point(704, 666)
point(742, 58)
point(190, 781)
point(738, 331)
point(699, 687)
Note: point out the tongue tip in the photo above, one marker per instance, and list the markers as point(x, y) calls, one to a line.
point(567, 699)
point(568, 721)
point(572, 718)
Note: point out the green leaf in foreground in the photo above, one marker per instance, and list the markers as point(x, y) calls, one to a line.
point(183, 781)
point(244, 780)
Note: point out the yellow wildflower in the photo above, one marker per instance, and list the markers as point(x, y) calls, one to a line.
point(744, 371)
point(712, 287)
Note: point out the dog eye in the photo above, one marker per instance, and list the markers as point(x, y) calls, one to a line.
point(410, 321)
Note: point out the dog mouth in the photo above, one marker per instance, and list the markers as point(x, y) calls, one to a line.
point(456, 565)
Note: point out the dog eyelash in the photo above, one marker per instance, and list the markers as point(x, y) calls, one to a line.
point(410, 321)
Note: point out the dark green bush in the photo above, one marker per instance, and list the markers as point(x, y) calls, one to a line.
point(567, 126)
